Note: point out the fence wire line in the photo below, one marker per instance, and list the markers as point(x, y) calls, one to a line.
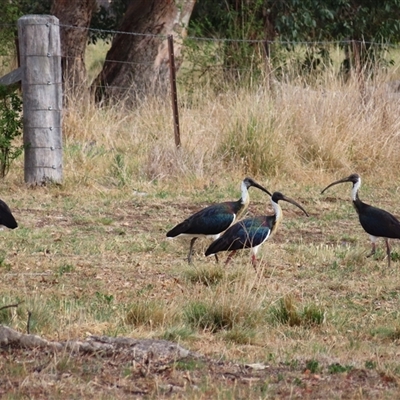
point(260, 41)
point(209, 67)
point(112, 61)
point(254, 41)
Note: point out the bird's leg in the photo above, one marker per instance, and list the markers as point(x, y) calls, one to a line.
point(373, 242)
point(372, 251)
point(216, 258)
point(254, 261)
point(388, 251)
point(191, 250)
point(233, 252)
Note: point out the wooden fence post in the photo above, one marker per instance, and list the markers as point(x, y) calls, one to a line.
point(174, 95)
point(40, 55)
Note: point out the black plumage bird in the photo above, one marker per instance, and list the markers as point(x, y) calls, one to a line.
point(215, 219)
point(6, 217)
point(251, 232)
point(375, 221)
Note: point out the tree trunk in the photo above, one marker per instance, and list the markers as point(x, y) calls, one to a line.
point(137, 63)
point(74, 16)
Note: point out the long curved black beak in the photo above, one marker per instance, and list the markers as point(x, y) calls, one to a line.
point(289, 200)
point(336, 182)
point(255, 184)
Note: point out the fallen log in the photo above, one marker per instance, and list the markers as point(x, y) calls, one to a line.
point(138, 349)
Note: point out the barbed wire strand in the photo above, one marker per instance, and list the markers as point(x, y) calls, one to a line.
point(259, 41)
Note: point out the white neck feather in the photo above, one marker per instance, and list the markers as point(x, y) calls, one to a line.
point(245, 193)
point(355, 188)
point(277, 209)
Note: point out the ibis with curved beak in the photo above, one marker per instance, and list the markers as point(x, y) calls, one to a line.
point(251, 232)
point(215, 219)
point(375, 221)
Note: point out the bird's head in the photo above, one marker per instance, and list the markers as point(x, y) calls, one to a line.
point(279, 196)
point(248, 182)
point(355, 179)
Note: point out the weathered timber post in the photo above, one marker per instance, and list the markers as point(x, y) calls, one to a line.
point(40, 55)
point(174, 95)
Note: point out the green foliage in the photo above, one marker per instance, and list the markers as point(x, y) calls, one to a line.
point(294, 20)
point(395, 256)
point(241, 57)
point(10, 128)
point(313, 366)
point(104, 21)
point(203, 64)
point(101, 24)
point(11, 11)
point(33, 7)
point(8, 18)
point(355, 24)
point(338, 368)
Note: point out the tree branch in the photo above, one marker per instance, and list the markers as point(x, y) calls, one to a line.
point(11, 305)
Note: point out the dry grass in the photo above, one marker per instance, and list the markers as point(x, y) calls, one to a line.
point(91, 257)
point(293, 132)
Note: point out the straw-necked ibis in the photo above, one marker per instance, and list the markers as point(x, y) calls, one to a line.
point(215, 219)
point(251, 232)
point(6, 218)
point(375, 221)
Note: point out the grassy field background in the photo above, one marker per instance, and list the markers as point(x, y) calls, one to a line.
point(317, 320)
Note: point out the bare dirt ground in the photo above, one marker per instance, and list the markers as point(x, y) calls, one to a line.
point(49, 374)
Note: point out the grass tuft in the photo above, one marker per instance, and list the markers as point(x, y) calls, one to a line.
point(146, 313)
point(210, 317)
point(338, 368)
point(313, 315)
point(240, 335)
point(287, 313)
point(205, 275)
point(313, 366)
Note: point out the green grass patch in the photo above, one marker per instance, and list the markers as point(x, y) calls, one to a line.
point(287, 313)
point(337, 368)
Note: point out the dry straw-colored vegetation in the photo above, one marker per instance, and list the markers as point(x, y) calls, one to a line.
point(91, 256)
